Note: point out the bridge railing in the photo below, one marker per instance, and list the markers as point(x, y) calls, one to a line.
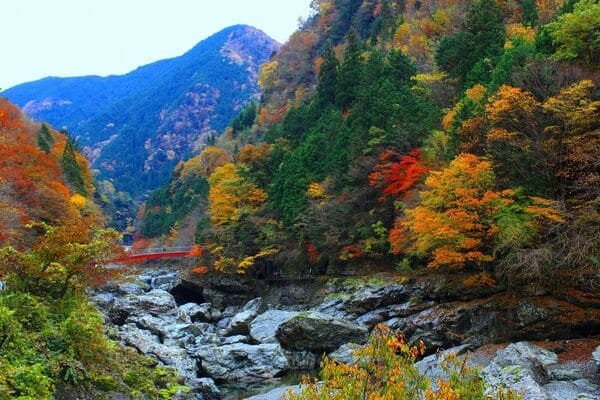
point(161, 250)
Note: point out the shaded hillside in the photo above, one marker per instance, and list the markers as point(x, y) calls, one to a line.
point(136, 127)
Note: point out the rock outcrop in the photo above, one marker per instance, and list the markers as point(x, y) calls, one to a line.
point(319, 333)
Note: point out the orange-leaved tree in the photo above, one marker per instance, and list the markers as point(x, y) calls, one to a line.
point(461, 216)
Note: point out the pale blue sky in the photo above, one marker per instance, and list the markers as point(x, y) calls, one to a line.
point(81, 37)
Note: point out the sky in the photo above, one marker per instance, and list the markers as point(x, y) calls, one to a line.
point(101, 37)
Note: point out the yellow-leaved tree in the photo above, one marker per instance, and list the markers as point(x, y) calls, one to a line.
point(461, 216)
point(230, 195)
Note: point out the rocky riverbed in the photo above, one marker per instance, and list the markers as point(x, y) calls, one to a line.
point(228, 334)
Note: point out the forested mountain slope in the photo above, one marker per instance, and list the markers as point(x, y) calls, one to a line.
point(136, 127)
point(409, 134)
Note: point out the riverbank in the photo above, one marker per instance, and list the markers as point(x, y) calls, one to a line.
point(223, 333)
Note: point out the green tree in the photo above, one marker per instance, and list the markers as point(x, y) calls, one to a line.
point(327, 77)
point(350, 72)
point(72, 169)
point(45, 139)
point(529, 12)
point(481, 37)
point(576, 35)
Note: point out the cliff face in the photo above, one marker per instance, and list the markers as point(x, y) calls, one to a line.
point(136, 127)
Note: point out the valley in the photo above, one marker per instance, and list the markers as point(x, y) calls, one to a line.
point(400, 202)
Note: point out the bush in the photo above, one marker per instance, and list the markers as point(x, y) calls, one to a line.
point(385, 369)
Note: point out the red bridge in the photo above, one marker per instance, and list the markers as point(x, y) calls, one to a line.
point(132, 255)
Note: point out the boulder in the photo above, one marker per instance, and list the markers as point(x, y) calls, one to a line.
point(200, 312)
point(156, 302)
point(302, 360)
point(165, 282)
point(240, 362)
point(319, 333)
point(349, 298)
point(522, 367)
point(577, 390)
point(431, 366)
point(345, 354)
point(264, 326)
point(239, 324)
point(140, 339)
point(206, 388)
point(596, 356)
point(147, 343)
point(277, 393)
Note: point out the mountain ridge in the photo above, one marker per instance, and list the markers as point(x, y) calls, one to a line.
point(147, 120)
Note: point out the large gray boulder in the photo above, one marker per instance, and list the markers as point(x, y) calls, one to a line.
point(264, 326)
point(319, 333)
point(522, 367)
point(240, 362)
point(147, 343)
point(240, 322)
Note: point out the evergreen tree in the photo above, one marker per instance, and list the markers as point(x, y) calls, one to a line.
point(350, 72)
point(401, 68)
point(530, 14)
point(482, 37)
point(327, 77)
point(45, 139)
point(72, 169)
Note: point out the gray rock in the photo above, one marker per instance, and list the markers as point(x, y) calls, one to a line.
point(345, 353)
point(239, 324)
point(264, 326)
point(140, 339)
point(577, 390)
point(157, 302)
point(277, 393)
point(571, 372)
point(165, 327)
point(319, 333)
point(165, 282)
point(379, 315)
point(349, 300)
point(200, 312)
point(596, 356)
point(522, 367)
point(431, 366)
point(206, 387)
point(240, 362)
point(236, 339)
point(302, 360)
point(149, 344)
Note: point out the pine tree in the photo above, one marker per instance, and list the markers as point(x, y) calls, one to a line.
point(72, 169)
point(45, 139)
point(328, 77)
point(350, 72)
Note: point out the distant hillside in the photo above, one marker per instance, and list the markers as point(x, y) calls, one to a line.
point(136, 127)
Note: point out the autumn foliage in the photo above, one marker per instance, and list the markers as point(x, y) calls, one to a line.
point(460, 215)
point(33, 185)
point(397, 175)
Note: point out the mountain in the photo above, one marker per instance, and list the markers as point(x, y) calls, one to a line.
point(136, 127)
